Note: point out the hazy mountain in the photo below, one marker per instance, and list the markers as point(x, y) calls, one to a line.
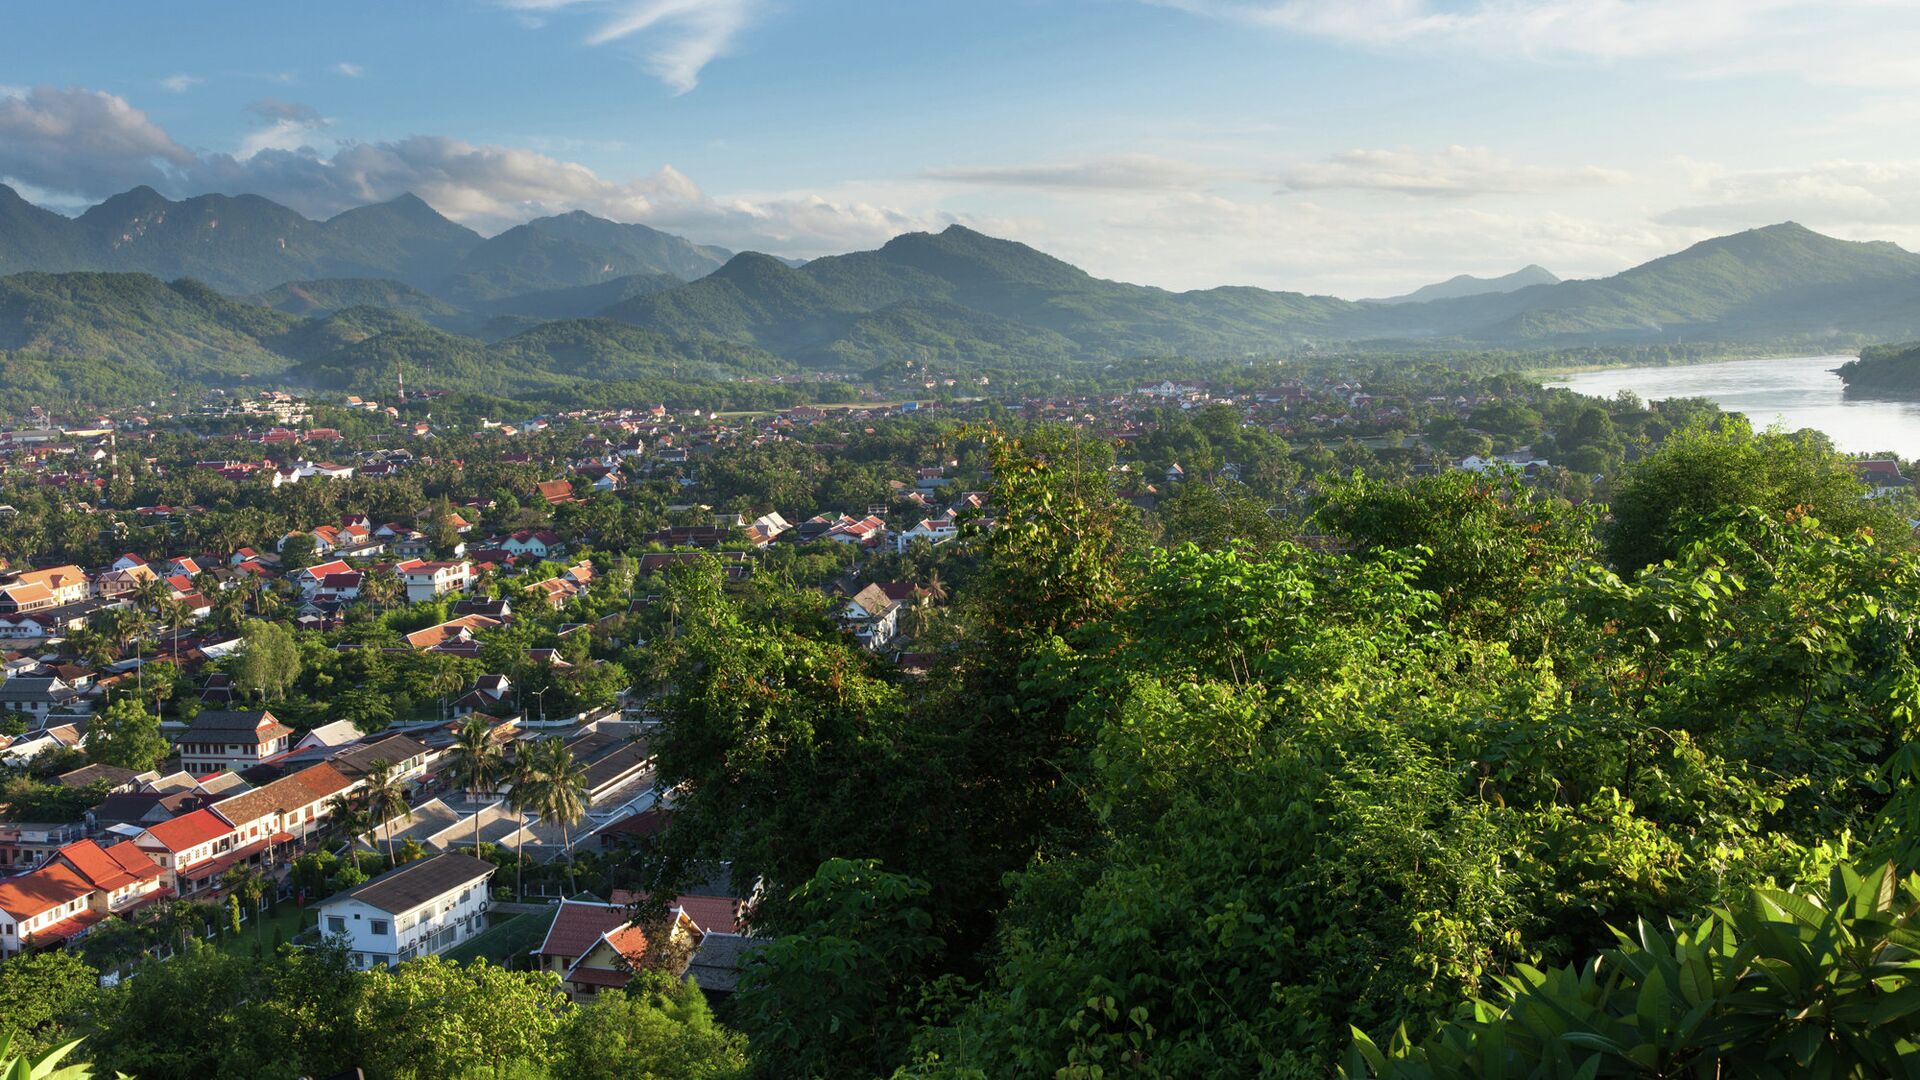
point(578, 301)
point(968, 294)
point(247, 244)
point(569, 251)
point(1467, 285)
point(957, 275)
point(334, 294)
point(953, 297)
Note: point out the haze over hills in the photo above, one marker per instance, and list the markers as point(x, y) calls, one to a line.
point(575, 297)
point(1467, 285)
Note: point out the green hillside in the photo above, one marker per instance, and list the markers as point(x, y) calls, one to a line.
point(314, 298)
point(183, 329)
point(974, 295)
point(1884, 371)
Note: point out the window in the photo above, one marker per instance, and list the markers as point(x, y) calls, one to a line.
point(336, 925)
point(380, 927)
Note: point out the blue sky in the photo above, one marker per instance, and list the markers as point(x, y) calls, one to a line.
point(1356, 147)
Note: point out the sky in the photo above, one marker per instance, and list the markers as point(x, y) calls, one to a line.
point(1350, 147)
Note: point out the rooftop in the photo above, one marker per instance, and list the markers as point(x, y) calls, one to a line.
point(407, 887)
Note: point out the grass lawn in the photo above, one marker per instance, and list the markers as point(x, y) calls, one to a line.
point(290, 920)
point(501, 942)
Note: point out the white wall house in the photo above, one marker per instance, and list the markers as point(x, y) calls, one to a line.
point(430, 580)
point(419, 909)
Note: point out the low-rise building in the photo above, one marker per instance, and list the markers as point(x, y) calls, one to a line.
point(417, 909)
point(221, 739)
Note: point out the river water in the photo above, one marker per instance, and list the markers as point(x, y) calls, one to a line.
point(1795, 392)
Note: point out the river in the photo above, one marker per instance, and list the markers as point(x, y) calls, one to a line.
point(1796, 392)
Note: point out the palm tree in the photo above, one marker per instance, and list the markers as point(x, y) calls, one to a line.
point(348, 817)
point(386, 799)
point(381, 588)
point(478, 765)
point(559, 792)
point(523, 786)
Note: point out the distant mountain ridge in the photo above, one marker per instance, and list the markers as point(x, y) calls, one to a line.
point(1467, 285)
point(957, 297)
point(943, 294)
point(246, 244)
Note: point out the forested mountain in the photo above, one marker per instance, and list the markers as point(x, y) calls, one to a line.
point(1467, 285)
point(956, 297)
point(248, 244)
point(1781, 283)
point(183, 333)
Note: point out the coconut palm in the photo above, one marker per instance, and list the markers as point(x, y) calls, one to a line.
point(381, 588)
point(386, 798)
point(559, 791)
point(347, 815)
point(522, 789)
point(477, 765)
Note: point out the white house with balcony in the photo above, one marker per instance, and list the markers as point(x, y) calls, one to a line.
point(419, 909)
point(431, 580)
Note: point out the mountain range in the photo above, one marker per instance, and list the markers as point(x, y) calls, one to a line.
point(247, 244)
point(259, 291)
point(1467, 285)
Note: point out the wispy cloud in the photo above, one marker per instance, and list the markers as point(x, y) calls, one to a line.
point(677, 38)
point(1455, 172)
point(290, 125)
point(1859, 42)
point(180, 84)
point(349, 69)
point(1119, 172)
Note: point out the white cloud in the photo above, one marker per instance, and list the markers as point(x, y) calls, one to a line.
point(180, 84)
point(1120, 172)
point(290, 126)
point(1455, 172)
point(1835, 195)
point(349, 69)
point(71, 146)
point(677, 38)
point(86, 141)
point(1858, 42)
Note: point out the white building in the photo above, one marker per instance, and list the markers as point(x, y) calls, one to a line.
point(431, 580)
point(419, 909)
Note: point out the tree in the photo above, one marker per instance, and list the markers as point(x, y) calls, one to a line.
point(269, 661)
point(432, 1019)
point(477, 764)
point(1701, 473)
point(45, 993)
point(297, 552)
point(823, 1002)
point(385, 797)
point(126, 735)
point(557, 790)
point(659, 1026)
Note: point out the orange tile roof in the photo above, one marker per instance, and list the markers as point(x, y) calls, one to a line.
point(190, 830)
point(39, 890)
point(109, 868)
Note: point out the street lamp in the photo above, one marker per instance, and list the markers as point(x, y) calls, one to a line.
point(540, 697)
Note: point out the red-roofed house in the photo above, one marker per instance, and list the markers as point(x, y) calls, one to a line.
point(194, 849)
point(122, 876)
point(44, 906)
